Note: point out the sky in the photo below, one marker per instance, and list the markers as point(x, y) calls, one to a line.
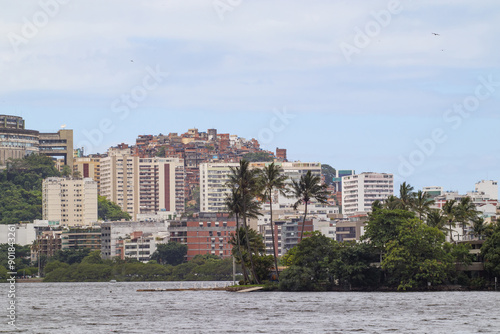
point(403, 87)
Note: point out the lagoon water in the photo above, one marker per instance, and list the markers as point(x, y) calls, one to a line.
point(119, 308)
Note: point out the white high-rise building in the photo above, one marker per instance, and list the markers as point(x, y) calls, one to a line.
point(214, 176)
point(72, 202)
point(361, 190)
point(213, 189)
point(142, 185)
point(489, 188)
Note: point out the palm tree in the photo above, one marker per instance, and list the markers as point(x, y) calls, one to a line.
point(233, 205)
point(256, 244)
point(244, 180)
point(309, 187)
point(392, 203)
point(422, 203)
point(466, 211)
point(271, 179)
point(449, 211)
point(406, 196)
point(436, 219)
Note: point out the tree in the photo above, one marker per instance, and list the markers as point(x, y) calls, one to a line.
point(271, 179)
point(66, 171)
point(465, 212)
point(246, 185)
point(108, 210)
point(421, 203)
point(449, 211)
point(310, 266)
point(172, 253)
point(329, 173)
point(406, 196)
point(353, 266)
point(383, 226)
point(417, 257)
point(491, 253)
point(307, 188)
point(436, 219)
point(233, 203)
point(392, 203)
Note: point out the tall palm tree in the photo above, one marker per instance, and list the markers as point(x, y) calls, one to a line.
point(422, 203)
point(449, 211)
point(466, 211)
point(307, 188)
point(406, 196)
point(233, 205)
point(244, 180)
point(271, 179)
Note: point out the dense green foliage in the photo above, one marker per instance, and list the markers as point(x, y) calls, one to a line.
point(398, 251)
point(172, 253)
point(491, 253)
point(258, 157)
point(22, 261)
point(319, 263)
point(110, 211)
point(21, 195)
point(21, 184)
point(93, 269)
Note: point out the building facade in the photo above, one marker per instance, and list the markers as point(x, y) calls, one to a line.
point(361, 190)
point(115, 234)
point(15, 141)
point(72, 202)
point(59, 144)
point(142, 185)
point(209, 233)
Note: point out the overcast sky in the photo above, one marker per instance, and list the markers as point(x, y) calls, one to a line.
point(404, 87)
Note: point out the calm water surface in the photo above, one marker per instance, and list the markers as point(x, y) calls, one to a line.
point(119, 308)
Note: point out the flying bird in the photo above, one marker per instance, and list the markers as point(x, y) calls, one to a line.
point(435, 34)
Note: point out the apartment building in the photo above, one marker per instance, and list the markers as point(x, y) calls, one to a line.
point(361, 190)
point(59, 144)
point(214, 177)
point(81, 238)
point(15, 140)
point(213, 189)
point(208, 233)
point(142, 185)
point(88, 167)
point(489, 188)
point(116, 236)
point(72, 202)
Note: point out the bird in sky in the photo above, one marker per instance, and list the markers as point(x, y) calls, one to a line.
point(435, 34)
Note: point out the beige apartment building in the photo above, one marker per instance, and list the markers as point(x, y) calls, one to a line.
point(89, 167)
point(72, 202)
point(142, 185)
